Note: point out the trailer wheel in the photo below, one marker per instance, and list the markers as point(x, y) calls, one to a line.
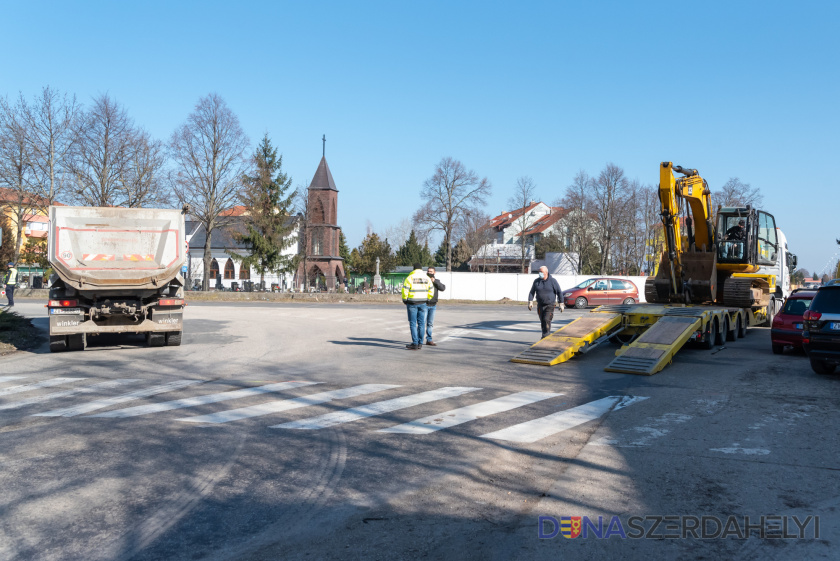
point(721, 335)
point(58, 343)
point(77, 342)
point(742, 327)
point(709, 340)
point(155, 339)
point(173, 339)
point(731, 332)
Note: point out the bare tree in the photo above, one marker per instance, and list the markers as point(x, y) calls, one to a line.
point(208, 154)
point(102, 155)
point(476, 232)
point(736, 193)
point(524, 194)
point(144, 183)
point(650, 221)
point(448, 194)
point(398, 233)
point(609, 194)
point(580, 223)
point(51, 120)
point(301, 205)
point(17, 197)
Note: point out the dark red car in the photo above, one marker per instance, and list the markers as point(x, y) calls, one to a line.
point(786, 330)
point(600, 291)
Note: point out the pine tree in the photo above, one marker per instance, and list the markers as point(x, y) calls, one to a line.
point(549, 244)
point(7, 250)
point(268, 202)
point(371, 248)
point(343, 250)
point(410, 252)
point(440, 255)
point(461, 255)
point(426, 258)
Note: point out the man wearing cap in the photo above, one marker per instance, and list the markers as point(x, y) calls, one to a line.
point(10, 280)
point(737, 232)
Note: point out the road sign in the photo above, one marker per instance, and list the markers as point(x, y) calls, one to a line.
point(183, 268)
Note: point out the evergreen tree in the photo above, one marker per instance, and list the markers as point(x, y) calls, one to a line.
point(461, 256)
point(343, 250)
point(426, 256)
point(7, 250)
point(410, 252)
point(440, 255)
point(268, 202)
point(549, 244)
point(371, 248)
point(355, 257)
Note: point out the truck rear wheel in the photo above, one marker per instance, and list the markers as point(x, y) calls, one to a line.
point(58, 343)
point(76, 342)
point(173, 339)
point(155, 339)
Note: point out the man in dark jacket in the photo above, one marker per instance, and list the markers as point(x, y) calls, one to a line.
point(548, 292)
point(430, 313)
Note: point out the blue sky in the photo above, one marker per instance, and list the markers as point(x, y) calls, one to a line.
point(734, 89)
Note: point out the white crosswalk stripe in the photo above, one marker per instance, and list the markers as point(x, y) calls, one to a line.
point(38, 385)
point(356, 413)
point(462, 415)
point(543, 427)
point(287, 404)
point(67, 393)
point(117, 400)
point(202, 400)
point(10, 378)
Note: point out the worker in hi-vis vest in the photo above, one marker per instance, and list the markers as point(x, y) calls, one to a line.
point(417, 290)
point(10, 280)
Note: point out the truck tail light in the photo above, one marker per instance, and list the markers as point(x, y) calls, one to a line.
point(811, 316)
point(171, 302)
point(63, 303)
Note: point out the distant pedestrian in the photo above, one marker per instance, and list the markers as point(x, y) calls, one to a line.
point(548, 292)
point(417, 290)
point(430, 314)
point(10, 280)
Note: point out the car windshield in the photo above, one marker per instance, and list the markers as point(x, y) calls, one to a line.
point(827, 301)
point(796, 306)
point(585, 283)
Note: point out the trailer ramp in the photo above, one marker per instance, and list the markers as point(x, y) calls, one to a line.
point(561, 345)
point(655, 348)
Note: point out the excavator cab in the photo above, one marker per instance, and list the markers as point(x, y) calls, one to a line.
point(746, 239)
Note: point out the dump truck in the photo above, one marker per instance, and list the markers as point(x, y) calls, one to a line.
point(117, 270)
point(715, 280)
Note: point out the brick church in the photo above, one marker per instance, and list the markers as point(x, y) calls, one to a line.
point(324, 265)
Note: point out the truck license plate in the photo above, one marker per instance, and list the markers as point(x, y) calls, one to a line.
point(65, 311)
point(835, 325)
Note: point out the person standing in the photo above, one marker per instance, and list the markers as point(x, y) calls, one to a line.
point(417, 290)
point(430, 313)
point(10, 280)
point(548, 292)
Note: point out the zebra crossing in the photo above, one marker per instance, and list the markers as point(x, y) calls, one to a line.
point(526, 432)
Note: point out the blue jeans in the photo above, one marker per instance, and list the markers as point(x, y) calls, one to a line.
point(417, 321)
point(430, 322)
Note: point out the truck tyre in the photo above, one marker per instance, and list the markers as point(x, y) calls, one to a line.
point(173, 339)
point(580, 302)
point(58, 343)
point(709, 341)
point(155, 339)
point(731, 331)
point(771, 313)
point(821, 367)
point(77, 342)
point(742, 326)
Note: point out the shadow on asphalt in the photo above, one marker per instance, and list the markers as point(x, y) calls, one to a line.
point(370, 342)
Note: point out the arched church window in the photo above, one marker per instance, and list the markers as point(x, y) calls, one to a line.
point(230, 270)
point(214, 269)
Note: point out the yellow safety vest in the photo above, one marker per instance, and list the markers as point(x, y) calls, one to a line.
point(417, 288)
point(12, 277)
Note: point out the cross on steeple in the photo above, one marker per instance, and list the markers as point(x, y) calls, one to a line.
point(324, 151)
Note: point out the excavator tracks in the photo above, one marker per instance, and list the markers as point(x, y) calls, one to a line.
point(738, 293)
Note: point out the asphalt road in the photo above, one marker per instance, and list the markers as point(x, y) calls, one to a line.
point(394, 454)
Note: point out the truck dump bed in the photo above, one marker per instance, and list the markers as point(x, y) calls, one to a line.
point(110, 248)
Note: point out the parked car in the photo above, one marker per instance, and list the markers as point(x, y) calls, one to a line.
point(600, 291)
point(821, 338)
point(786, 330)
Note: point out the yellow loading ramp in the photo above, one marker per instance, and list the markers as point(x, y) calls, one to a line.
point(561, 345)
point(655, 348)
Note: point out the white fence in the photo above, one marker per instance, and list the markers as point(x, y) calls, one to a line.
point(515, 286)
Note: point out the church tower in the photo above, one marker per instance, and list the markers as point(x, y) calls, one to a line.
point(322, 255)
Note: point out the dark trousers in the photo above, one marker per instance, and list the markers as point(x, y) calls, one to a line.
point(10, 294)
point(546, 313)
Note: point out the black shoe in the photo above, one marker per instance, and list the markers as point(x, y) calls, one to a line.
point(414, 347)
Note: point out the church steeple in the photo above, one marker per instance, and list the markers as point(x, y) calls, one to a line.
point(323, 178)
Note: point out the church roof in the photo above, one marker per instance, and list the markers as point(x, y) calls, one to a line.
point(323, 178)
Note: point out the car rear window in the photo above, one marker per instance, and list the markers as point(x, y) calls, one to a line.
point(827, 301)
point(796, 306)
point(617, 285)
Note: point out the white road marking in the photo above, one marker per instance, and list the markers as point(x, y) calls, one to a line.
point(644, 435)
point(356, 413)
point(532, 431)
point(454, 334)
point(36, 385)
point(462, 415)
point(286, 404)
point(67, 393)
point(736, 449)
point(117, 399)
point(10, 378)
point(201, 400)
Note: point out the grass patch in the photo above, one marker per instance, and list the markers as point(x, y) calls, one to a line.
point(17, 333)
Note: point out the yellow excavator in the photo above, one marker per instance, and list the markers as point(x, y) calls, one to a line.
point(708, 263)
